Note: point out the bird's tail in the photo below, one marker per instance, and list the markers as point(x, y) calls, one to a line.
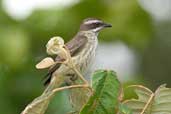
point(47, 79)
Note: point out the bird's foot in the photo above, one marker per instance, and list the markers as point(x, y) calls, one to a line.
point(70, 79)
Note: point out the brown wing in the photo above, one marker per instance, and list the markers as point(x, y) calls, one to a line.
point(74, 46)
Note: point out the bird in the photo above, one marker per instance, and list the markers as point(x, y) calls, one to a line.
point(82, 48)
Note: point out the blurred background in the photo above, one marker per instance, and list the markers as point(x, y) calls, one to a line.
point(137, 47)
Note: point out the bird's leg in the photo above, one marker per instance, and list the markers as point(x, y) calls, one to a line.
point(70, 79)
point(68, 82)
point(80, 76)
point(70, 64)
point(73, 77)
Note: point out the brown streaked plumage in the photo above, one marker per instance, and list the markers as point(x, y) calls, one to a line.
point(74, 46)
point(82, 48)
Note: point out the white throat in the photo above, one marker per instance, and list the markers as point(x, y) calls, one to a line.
point(91, 34)
point(96, 30)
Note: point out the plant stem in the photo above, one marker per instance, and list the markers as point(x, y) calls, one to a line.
point(72, 66)
point(70, 87)
point(147, 104)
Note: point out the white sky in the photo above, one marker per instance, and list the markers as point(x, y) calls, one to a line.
point(118, 57)
point(20, 9)
point(159, 9)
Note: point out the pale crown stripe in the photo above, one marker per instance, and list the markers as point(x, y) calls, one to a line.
point(91, 21)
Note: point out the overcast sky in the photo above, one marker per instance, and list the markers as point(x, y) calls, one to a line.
point(20, 9)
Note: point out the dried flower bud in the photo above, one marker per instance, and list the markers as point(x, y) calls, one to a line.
point(45, 63)
point(54, 46)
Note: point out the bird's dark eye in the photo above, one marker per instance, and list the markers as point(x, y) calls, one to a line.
point(97, 24)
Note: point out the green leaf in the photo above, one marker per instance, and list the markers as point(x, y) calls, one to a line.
point(40, 104)
point(107, 92)
point(149, 102)
point(123, 109)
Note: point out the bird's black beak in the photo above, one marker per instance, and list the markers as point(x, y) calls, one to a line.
point(107, 25)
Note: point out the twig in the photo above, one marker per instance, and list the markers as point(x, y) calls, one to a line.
point(72, 66)
point(70, 87)
point(80, 75)
point(147, 104)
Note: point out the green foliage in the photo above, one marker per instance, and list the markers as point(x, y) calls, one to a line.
point(131, 23)
point(123, 109)
point(15, 40)
point(148, 102)
point(107, 91)
point(21, 43)
point(107, 95)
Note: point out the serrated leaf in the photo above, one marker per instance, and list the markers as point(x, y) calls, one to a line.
point(107, 90)
point(149, 102)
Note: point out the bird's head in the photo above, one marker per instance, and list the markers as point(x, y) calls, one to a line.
point(93, 24)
